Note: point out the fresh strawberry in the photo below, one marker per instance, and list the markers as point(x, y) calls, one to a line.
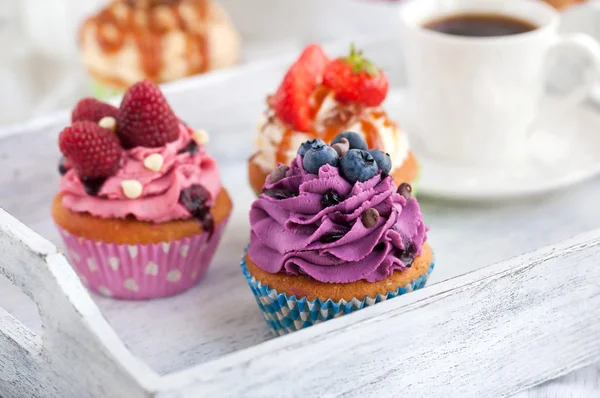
point(314, 60)
point(93, 151)
point(356, 79)
point(291, 101)
point(145, 118)
point(92, 110)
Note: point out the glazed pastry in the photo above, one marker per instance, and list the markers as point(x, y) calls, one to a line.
point(560, 4)
point(332, 233)
point(320, 98)
point(140, 207)
point(161, 40)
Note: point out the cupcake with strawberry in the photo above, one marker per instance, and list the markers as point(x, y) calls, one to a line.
point(320, 98)
point(332, 233)
point(140, 207)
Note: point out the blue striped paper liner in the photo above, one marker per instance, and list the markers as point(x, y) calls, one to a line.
point(285, 314)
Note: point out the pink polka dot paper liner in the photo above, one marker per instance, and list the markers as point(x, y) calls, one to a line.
point(142, 272)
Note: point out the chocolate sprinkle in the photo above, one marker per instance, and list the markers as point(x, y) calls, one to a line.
point(370, 217)
point(342, 148)
point(331, 237)
point(278, 174)
point(92, 185)
point(279, 194)
point(191, 148)
point(331, 198)
point(405, 189)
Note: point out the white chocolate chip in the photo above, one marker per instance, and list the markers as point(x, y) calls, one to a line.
point(154, 162)
point(108, 122)
point(200, 137)
point(132, 188)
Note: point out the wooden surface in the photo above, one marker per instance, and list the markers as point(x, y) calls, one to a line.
point(492, 332)
point(45, 363)
point(220, 316)
point(488, 334)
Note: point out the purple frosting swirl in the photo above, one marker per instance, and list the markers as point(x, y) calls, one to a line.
point(289, 235)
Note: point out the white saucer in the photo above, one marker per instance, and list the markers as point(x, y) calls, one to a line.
point(562, 154)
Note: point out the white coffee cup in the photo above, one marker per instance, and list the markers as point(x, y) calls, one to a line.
point(475, 100)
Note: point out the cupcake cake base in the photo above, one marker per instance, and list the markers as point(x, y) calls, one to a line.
point(290, 303)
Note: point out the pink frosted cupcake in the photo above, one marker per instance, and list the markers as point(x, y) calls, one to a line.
point(140, 207)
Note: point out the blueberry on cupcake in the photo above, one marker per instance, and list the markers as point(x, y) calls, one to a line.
point(318, 156)
point(354, 139)
point(358, 166)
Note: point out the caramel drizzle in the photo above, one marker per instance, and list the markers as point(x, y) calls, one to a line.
point(112, 32)
point(202, 38)
point(343, 118)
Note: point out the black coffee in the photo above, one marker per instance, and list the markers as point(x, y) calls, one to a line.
point(480, 25)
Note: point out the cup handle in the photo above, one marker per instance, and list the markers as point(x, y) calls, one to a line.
point(589, 46)
point(567, 102)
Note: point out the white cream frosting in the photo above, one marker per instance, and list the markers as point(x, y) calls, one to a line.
point(270, 133)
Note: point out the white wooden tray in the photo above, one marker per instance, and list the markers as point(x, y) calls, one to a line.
point(477, 330)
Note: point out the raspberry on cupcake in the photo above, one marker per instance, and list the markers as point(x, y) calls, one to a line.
point(93, 110)
point(319, 99)
point(93, 151)
point(140, 207)
point(332, 233)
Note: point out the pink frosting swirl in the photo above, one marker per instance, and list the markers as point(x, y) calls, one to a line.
point(159, 201)
point(288, 228)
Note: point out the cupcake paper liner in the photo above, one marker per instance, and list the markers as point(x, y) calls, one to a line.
point(141, 272)
point(285, 314)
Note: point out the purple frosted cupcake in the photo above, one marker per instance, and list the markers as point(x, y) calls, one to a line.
point(331, 234)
